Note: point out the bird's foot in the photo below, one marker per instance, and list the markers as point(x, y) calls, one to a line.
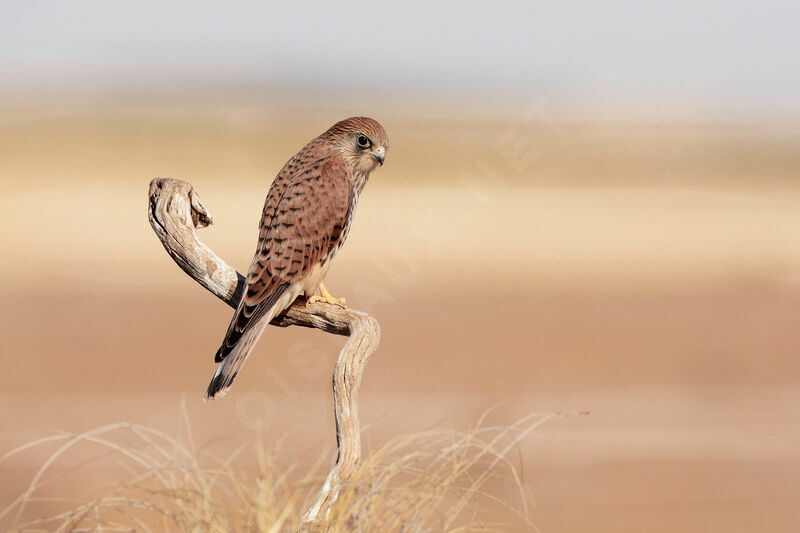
point(325, 297)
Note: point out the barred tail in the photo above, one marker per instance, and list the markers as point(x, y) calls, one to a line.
point(230, 366)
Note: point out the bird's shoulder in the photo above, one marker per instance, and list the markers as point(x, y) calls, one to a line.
point(317, 159)
point(315, 172)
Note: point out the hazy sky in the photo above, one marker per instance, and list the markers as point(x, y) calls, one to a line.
point(718, 51)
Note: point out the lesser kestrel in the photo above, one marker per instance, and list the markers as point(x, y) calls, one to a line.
point(306, 218)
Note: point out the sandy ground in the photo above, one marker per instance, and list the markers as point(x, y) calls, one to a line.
point(665, 304)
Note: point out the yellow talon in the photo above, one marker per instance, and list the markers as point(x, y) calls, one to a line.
point(326, 297)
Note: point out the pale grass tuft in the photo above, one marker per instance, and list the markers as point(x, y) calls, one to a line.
point(432, 481)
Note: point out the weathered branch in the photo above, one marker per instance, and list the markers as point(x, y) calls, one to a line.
point(175, 211)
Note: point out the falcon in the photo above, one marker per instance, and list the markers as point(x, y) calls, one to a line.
point(306, 218)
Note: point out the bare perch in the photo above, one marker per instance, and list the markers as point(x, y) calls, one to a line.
point(175, 211)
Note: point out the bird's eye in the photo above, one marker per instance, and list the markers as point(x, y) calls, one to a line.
point(362, 141)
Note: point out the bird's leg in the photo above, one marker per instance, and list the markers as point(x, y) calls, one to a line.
point(325, 296)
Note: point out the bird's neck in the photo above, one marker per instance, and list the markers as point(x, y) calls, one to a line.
point(359, 181)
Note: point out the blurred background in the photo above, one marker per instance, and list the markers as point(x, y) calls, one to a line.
point(586, 207)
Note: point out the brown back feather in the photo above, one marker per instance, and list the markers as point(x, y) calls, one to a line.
point(303, 218)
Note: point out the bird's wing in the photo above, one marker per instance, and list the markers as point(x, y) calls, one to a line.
point(304, 215)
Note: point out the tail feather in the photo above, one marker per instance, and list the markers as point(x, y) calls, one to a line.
point(229, 368)
point(234, 357)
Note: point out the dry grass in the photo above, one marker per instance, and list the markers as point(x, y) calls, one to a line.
point(431, 481)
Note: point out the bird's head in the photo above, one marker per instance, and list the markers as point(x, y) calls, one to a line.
point(362, 142)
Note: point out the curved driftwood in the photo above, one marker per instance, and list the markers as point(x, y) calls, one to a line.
point(175, 211)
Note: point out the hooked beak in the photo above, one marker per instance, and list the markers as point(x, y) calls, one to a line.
point(379, 154)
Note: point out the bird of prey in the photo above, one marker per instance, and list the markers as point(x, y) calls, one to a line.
point(306, 218)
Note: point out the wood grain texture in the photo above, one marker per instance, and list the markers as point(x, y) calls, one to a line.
point(175, 212)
